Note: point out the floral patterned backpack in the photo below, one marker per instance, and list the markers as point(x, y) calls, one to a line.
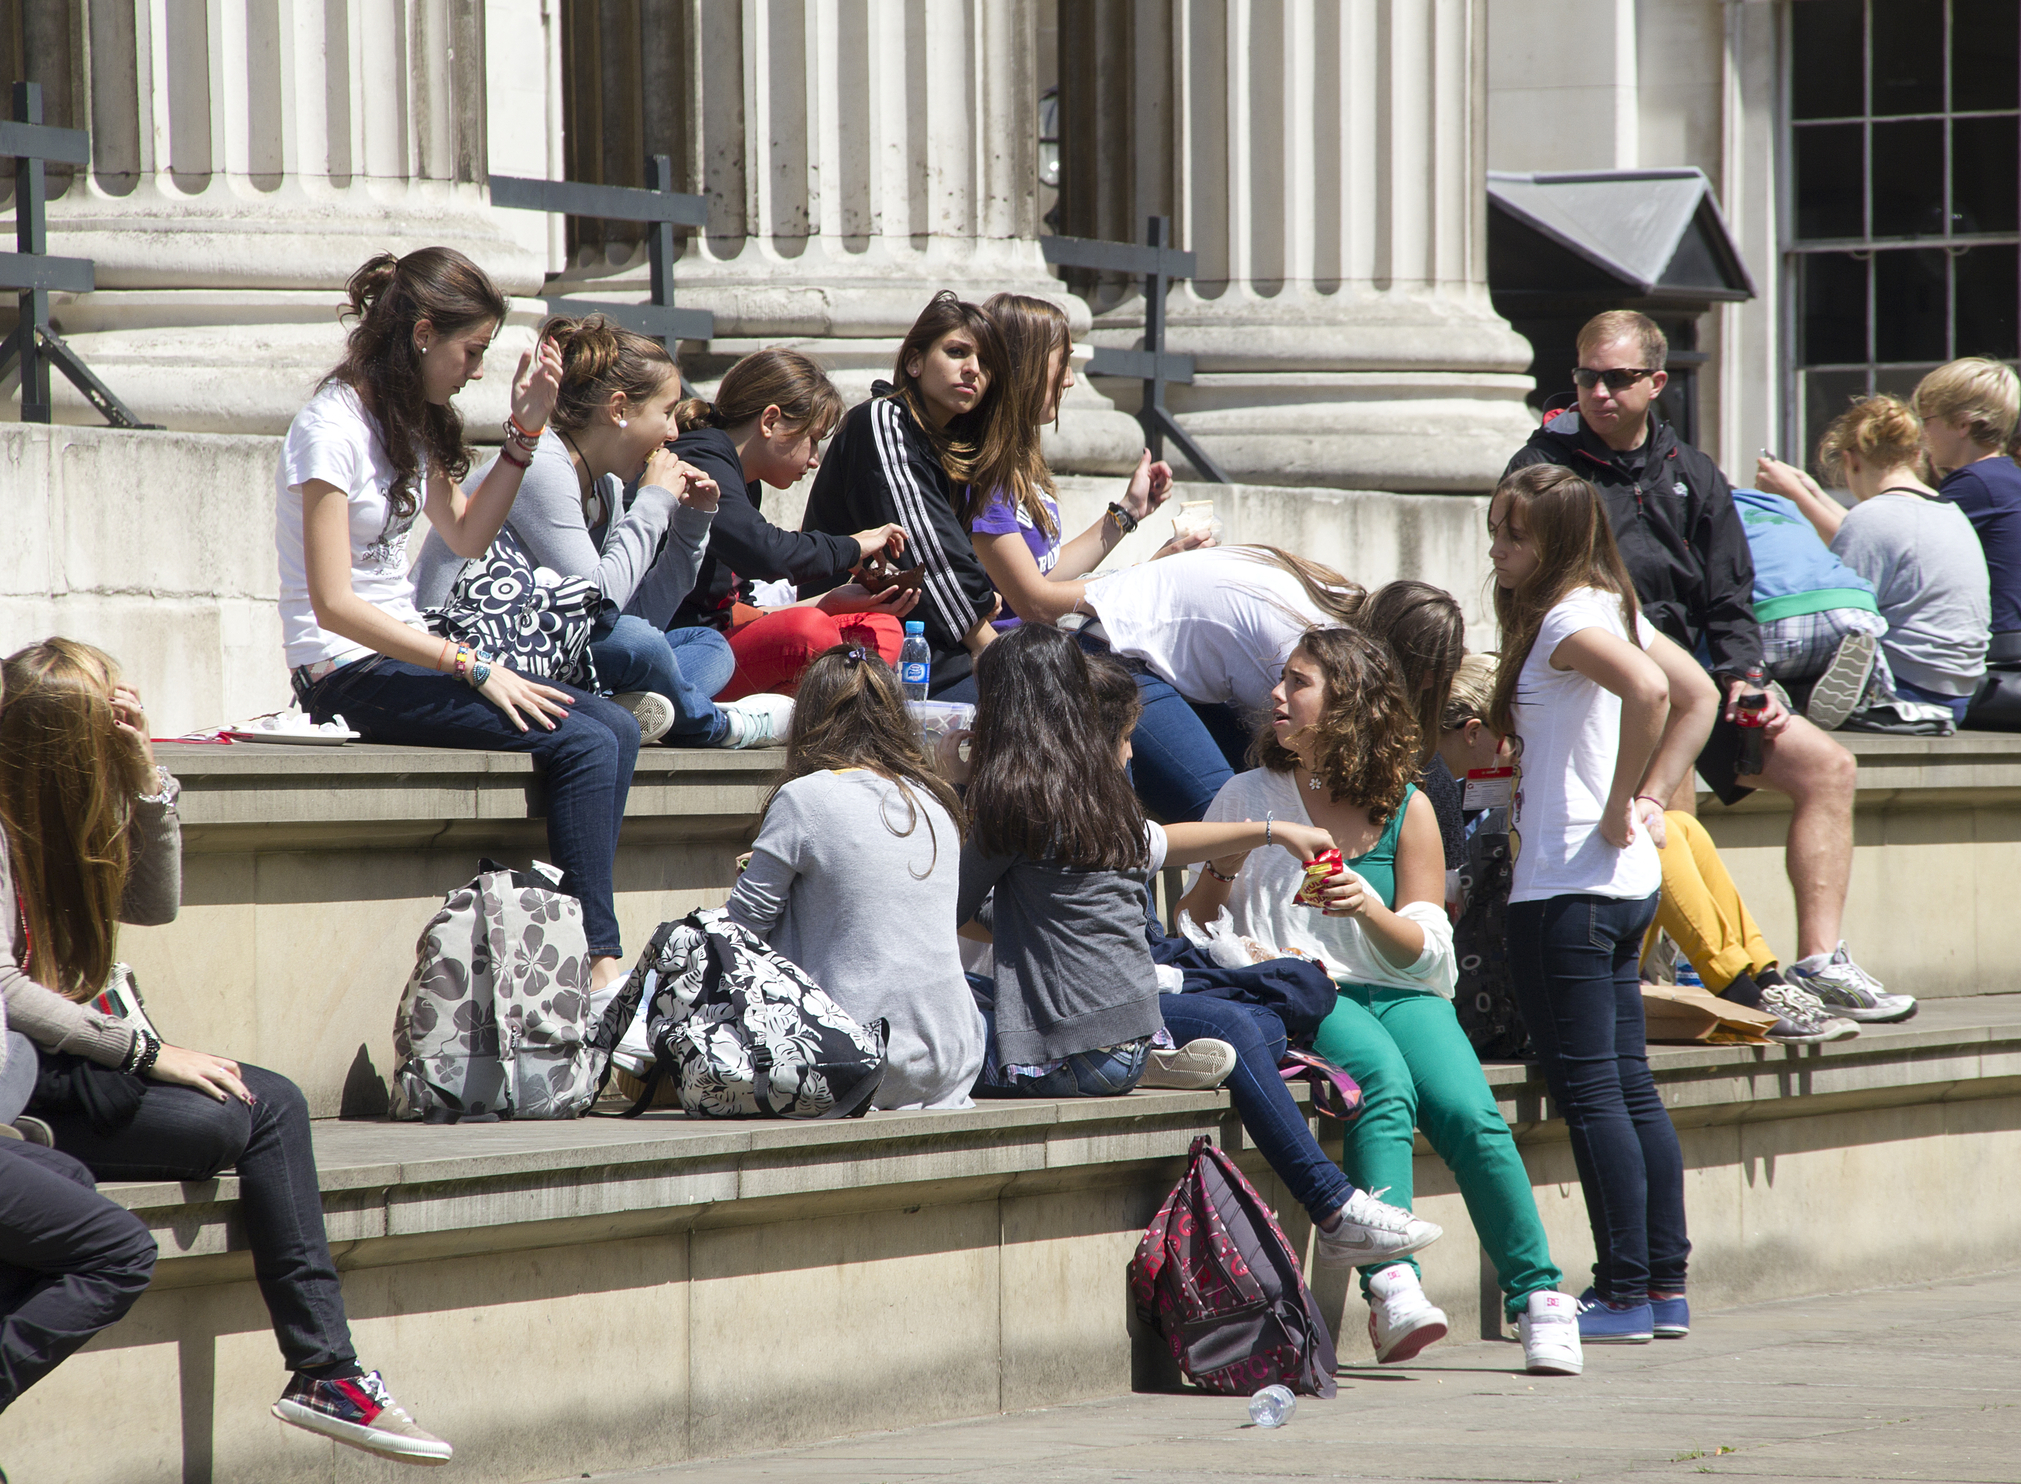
point(744, 1032)
point(495, 1019)
point(534, 620)
point(1217, 1279)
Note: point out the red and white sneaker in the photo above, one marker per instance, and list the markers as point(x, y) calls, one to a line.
point(1401, 1320)
point(360, 1411)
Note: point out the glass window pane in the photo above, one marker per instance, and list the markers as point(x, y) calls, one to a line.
point(1911, 312)
point(1985, 54)
point(1989, 289)
point(1908, 56)
point(1828, 181)
point(1834, 309)
point(1825, 395)
point(1827, 55)
point(1985, 170)
point(1909, 179)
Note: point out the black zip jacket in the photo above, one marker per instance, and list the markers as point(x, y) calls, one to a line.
point(881, 467)
point(1679, 533)
point(743, 544)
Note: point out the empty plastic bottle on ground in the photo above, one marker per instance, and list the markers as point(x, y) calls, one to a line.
point(1272, 1406)
point(915, 661)
point(1688, 977)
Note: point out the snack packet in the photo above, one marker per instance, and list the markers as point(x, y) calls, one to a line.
point(1318, 871)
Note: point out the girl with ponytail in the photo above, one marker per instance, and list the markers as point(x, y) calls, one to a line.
point(766, 425)
point(377, 444)
point(613, 420)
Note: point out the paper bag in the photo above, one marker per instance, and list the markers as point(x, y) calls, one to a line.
point(1698, 1017)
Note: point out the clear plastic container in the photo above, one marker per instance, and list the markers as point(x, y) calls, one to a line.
point(1272, 1406)
point(937, 718)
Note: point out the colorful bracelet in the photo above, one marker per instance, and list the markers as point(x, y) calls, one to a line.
point(1208, 867)
point(527, 436)
point(479, 673)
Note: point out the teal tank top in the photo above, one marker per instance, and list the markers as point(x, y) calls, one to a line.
point(1378, 866)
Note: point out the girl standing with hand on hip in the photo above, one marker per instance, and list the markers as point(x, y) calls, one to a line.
point(1606, 717)
point(378, 444)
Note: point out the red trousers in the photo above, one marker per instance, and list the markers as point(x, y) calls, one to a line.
point(773, 648)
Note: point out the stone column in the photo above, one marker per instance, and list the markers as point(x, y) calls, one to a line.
point(857, 158)
point(246, 158)
point(1326, 160)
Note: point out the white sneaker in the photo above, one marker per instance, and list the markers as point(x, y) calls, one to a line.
point(1801, 1018)
point(1198, 1066)
point(1550, 1331)
point(653, 712)
point(1849, 991)
point(757, 721)
point(1370, 1231)
point(1401, 1320)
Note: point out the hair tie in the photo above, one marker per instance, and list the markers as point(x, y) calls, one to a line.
point(853, 657)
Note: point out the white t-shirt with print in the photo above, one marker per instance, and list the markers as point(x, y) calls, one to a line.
point(1571, 735)
point(334, 440)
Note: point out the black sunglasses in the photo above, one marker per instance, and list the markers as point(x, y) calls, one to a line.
point(1617, 380)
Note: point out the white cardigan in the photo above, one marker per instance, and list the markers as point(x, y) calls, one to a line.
point(1260, 901)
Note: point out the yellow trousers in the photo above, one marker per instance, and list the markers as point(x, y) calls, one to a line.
point(1701, 908)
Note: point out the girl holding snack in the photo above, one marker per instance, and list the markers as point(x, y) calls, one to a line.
point(855, 871)
point(1339, 754)
point(1061, 845)
point(1605, 717)
point(378, 444)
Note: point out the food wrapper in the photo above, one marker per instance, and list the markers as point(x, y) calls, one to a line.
point(1318, 871)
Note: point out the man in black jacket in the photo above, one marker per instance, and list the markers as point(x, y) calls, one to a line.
point(1682, 540)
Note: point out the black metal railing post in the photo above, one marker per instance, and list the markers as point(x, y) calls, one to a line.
point(1162, 265)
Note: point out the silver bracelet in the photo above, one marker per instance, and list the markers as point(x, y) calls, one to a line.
point(1268, 821)
point(168, 791)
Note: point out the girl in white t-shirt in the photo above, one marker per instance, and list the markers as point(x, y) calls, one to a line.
point(378, 444)
point(1606, 717)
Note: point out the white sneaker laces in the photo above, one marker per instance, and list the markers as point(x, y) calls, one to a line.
point(1367, 1208)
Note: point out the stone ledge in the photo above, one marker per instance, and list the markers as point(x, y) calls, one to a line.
point(1917, 772)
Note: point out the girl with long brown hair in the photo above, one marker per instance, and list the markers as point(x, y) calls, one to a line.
point(899, 460)
point(765, 426)
point(1339, 752)
point(854, 875)
point(1606, 717)
point(92, 839)
point(352, 478)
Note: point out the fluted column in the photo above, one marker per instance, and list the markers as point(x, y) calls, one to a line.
point(246, 158)
point(857, 157)
point(1326, 161)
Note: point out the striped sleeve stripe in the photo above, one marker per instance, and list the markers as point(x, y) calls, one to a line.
point(915, 515)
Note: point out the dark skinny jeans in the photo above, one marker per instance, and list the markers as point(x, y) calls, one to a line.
point(585, 763)
point(71, 1262)
point(1574, 962)
point(182, 1134)
point(1262, 1101)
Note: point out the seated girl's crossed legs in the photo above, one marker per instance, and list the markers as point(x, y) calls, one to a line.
point(771, 649)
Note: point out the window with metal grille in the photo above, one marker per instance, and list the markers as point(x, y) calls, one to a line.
point(1905, 204)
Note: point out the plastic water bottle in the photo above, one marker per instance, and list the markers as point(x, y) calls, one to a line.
point(915, 661)
point(1272, 1406)
point(1688, 977)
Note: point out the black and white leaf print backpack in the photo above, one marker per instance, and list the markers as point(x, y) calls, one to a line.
point(529, 618)
point(745, 1032)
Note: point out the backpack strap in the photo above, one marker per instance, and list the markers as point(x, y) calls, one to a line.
point(619, 1014)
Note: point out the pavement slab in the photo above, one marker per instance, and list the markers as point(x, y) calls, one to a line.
point(1917, 1382)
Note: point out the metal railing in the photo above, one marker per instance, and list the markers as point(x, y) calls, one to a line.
point(660, 207)
point(1161, 265)
point(28, 353)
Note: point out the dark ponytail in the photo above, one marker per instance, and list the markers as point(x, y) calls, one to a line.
point(599, 357)
point(388, 297)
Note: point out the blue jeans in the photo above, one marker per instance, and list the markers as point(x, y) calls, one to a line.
point(1100, 1073)
point(585, 763)
point(18, 1066)
point(1574, 961)
point(182, 1134)
point(1956, 705)
point(1262, 1101)
point(687, 666)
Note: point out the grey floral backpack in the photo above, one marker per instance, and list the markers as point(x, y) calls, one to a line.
point(744, 1032)
point(495, 1020)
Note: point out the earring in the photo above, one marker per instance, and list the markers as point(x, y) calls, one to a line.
point(624, 422)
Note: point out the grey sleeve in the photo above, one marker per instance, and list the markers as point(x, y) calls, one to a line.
point(154, 879)
point(629, 546)
point(673, 572)
point(759, 899)
point(42, 1015)
point(979, 873)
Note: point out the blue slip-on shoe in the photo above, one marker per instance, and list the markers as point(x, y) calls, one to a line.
point(1671, 1316)
point(1605, 1323)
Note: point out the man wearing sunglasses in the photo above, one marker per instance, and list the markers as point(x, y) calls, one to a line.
point(1683, 542)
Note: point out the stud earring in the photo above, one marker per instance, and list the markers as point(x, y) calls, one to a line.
point(624, 423)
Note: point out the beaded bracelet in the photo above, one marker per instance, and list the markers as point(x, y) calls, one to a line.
point(146, 1048)
point(505, 452)
point(1208, 867)
point(528, 436)
point(1125, 522)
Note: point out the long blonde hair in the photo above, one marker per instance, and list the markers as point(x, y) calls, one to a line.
point(1010, 461)
point(68, 778)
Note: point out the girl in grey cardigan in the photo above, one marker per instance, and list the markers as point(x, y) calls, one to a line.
point(611, 426)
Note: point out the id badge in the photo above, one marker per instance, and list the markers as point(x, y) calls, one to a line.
point(1490, 788)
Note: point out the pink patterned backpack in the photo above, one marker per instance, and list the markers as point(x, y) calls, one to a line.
point(1216, 1277)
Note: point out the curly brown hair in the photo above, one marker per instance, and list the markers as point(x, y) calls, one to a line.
point(1367, 751)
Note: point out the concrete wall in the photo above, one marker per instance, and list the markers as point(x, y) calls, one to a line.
point(159, 547)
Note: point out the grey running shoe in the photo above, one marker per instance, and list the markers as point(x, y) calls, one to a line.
point(1801, 1018)
point(1838, 691)
point(653, 712)
point(1849, 991)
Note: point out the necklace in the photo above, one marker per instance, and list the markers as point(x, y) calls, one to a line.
point(592, 503)
point(1312, 782)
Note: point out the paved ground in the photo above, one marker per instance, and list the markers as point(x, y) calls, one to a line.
point(1917, 1383)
